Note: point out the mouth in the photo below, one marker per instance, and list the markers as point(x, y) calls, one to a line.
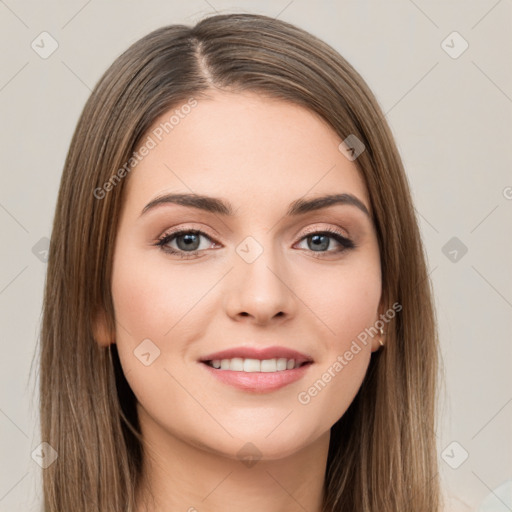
point(249, 365)
point(256, 369)
point(257, 359)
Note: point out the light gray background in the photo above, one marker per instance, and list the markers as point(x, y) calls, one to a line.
point(452, 120)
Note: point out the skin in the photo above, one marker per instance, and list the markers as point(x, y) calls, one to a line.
point(259, 154)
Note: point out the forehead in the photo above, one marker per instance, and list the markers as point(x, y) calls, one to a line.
point(250, 148)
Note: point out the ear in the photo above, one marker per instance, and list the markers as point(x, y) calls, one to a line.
point(378, 338)
point(103, 335)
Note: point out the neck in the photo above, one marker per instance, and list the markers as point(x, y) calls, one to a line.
point(178, 475)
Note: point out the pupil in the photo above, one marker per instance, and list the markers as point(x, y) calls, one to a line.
point(188, 240)
point(319, 244)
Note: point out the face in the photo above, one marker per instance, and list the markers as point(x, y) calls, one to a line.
point(259, 278)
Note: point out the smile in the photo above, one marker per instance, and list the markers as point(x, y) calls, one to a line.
point(257, 376)
point(238, 364)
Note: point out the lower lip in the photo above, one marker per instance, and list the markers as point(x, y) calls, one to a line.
point(258, 381)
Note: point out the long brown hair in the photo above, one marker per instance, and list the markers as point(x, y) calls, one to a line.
point(382, 454)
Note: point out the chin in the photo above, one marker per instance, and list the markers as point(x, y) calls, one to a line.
point(246, 444)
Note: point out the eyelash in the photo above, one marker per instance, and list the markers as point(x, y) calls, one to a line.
point(346, 243)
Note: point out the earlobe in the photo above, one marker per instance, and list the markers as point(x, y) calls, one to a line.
point(102, 334)
point(379, 340)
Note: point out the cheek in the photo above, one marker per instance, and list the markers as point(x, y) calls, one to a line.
point(150, 300)
point(346, 301)
point(355, 311)
point(159, 302)
point(347, 310)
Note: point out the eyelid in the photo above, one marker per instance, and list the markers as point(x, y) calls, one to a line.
point(215, 238)
point(315, 228)
point(189, 227)
point(335, 233)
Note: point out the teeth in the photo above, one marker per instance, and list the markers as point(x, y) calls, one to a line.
point(237, 364)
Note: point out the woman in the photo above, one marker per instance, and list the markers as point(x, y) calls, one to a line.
point(286, 362)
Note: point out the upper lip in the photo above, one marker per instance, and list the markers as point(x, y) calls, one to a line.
point(274, 352)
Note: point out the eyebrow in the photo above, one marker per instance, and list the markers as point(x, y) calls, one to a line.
point(222, 207)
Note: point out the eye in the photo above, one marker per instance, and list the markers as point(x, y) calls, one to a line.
point(188, 242)
point(321, 240)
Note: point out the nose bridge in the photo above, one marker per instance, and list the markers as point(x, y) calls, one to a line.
point(258, 286)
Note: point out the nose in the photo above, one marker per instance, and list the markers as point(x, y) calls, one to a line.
point(260, 292)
